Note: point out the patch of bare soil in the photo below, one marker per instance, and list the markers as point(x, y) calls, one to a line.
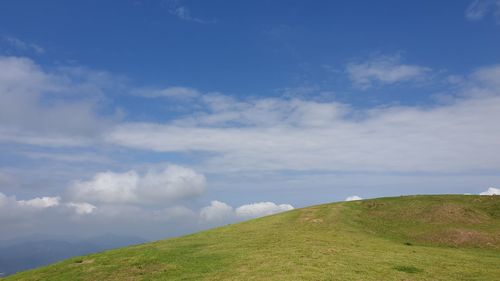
point(137, 272)
point(452, 213)
point(310, 216)
point(311, 219)
point(462, 237)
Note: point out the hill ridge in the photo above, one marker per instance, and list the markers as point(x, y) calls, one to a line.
point(423, 237)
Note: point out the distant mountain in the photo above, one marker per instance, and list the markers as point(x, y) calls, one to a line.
point(29, 252)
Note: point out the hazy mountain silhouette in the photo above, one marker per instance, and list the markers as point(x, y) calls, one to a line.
point(30, 252)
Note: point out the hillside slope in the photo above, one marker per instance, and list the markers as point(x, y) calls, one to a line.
point(448, 237)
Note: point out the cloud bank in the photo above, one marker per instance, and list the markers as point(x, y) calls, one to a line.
point(153, 201)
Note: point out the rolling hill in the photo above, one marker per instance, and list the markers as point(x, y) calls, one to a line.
point(445, 237)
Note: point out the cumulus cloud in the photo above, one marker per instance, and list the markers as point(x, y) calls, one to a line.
point(275, 134)
point(353, 198)
point(216, 212)
point(172, 183)
point(43, 202)
point(383, 70)
point(491, 191)
point(35, 203)
point(478, 9)
point(261, 209)
point(219, 211)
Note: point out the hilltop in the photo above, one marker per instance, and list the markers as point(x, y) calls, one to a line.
point(445, 237)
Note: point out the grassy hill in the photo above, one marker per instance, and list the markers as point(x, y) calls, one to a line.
point(450, 237)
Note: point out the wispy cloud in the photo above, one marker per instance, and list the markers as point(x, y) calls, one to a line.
point(479, 9)
point(67, 157)
point(169, 92)
point(50, 108)
point(294, 134)
point(184, 13)
point(21, 45)
point(383, 70)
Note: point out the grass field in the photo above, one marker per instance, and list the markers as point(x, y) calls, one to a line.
point(449, 237)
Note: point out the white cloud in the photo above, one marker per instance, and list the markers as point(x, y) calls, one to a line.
point(35, 203)
point(82, 208)
point(107, 187)
point(353, 198)
point(261, 209)
point(221, 212)
point(383, 70)
point(491, 191)
point(13, 211)
point(290, 134)
point(11, 208)
point(217, 212)
point(170, 92)
point(478, 9)
point(43, 202)
point(172, 183)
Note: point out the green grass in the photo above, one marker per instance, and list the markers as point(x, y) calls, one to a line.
point(407, 269)
point(446, 237)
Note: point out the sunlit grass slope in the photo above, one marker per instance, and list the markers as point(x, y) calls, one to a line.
point(449, 237)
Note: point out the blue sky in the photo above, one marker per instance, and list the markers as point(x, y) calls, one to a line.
point(158, 118)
